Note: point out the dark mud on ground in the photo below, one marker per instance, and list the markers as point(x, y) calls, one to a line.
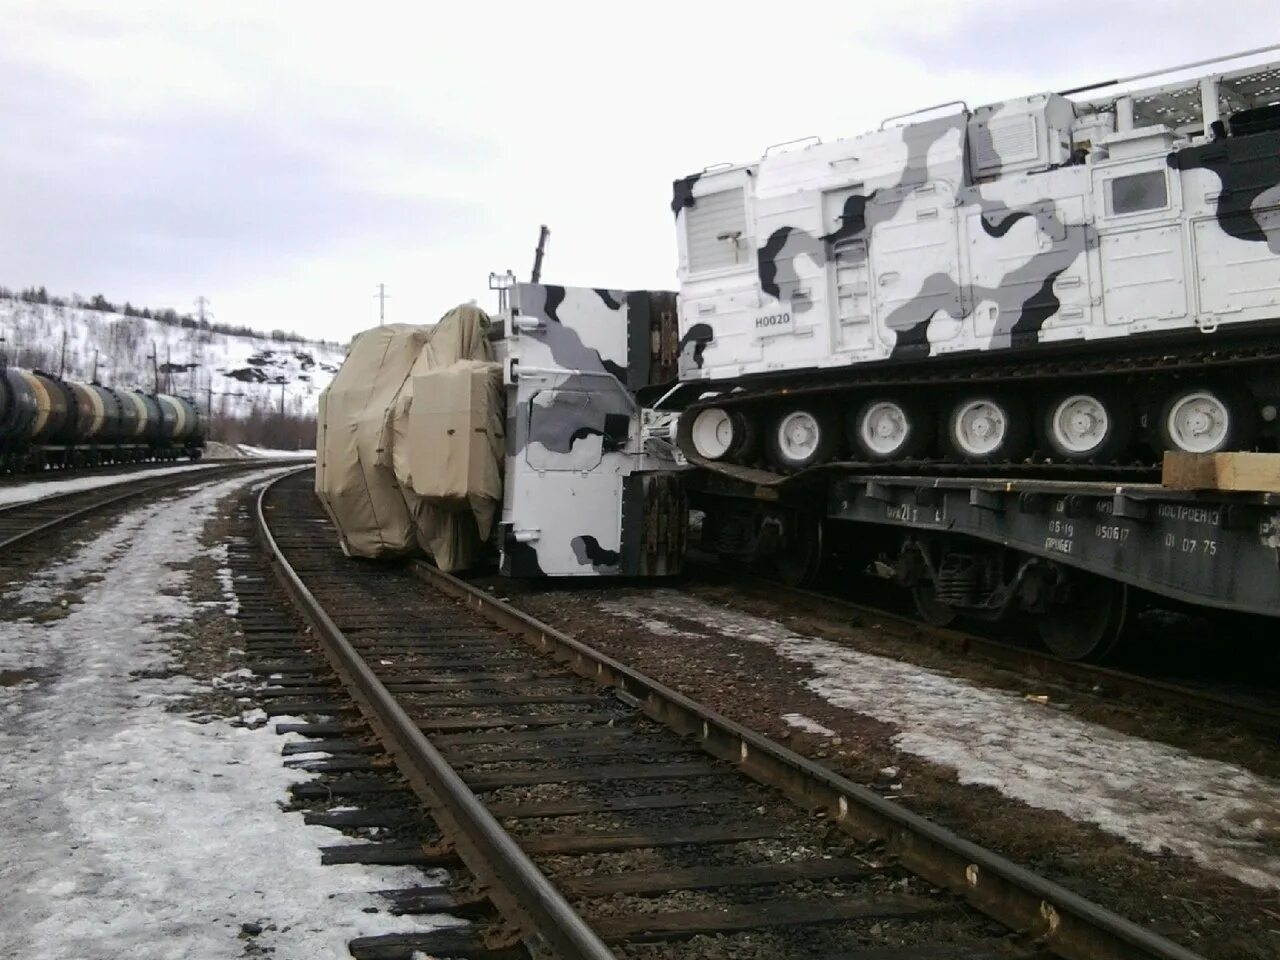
point(1202, 909)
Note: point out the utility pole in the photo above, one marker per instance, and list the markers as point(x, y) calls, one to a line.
point(155, 372)
point(382, 297)
point(62, 362)
point(544, 234)
point(282, 401)
point(202, 309)
point(94, 378)
point(168, 368)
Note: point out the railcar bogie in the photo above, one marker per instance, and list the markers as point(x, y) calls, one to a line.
point(1071, 560)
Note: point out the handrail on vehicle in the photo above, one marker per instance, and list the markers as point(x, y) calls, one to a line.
point(964, 108)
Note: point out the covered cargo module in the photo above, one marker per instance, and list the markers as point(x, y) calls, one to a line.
point(523, 437)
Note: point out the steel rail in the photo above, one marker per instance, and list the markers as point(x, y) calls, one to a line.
point(518, 888)
point(1256, 716)
point(1056, 918)
point(97, 506)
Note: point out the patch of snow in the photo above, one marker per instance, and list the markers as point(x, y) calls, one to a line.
point(270, 453)
point(133, 831)
point(660, 628)
point(256, 717)
point(225, 579)
point(43, 489)
point(1156, 796)
point(807, 724)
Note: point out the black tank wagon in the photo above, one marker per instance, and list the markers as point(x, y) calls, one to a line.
point(50, 423)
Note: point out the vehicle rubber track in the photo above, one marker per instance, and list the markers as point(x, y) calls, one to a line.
point(605, 814)
point(950, 373)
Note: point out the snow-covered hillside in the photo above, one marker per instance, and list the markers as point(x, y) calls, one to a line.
point(237, 375)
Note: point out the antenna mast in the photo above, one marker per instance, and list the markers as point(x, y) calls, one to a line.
point(544, 234)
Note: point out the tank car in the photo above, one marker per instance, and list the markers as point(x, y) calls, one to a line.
point(181, 425)
point(17, 414)
point(47, 422)
point(1054, 279)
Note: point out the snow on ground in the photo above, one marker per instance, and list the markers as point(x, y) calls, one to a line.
point(247, 451)
point(269, 453)
point(1156, 796)
point(807, 724)
point(41, 489)
point(132, 831)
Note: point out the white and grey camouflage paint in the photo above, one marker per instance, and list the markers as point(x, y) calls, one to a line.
point(1031, 256)
point(573, 436)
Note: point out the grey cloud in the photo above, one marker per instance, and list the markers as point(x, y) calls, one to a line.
point(92, 204)
point(1085, 42)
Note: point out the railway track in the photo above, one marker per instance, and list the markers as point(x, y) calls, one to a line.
point(24, 525)
point(14, 479)
point(605, 815)
point(1256, 709)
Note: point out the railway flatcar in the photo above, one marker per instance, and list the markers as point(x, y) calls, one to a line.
point(50, 423)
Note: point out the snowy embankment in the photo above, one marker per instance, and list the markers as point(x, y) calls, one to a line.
point(236, 375)
point(1153, 795)
point(247, 451)
point(132, 831)
point(43, 489)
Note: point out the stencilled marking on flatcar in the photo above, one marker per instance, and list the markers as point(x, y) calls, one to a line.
point(1111, 531)
point(905, 513)
point(1059, 545)
point(1061, 537)
point(1193, 545)
point(1206, 516)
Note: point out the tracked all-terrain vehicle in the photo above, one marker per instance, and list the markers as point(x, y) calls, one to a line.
point(1046, 279)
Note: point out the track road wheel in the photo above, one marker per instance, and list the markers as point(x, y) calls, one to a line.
point(1090, 622)
point(889, 428)
point(1088, 426)
point(801, 437)
point(712, 433)
point(987, 428)
point(800, 555)
point(1206, 418)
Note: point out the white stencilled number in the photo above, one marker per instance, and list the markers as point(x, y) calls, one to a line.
point(768, 320)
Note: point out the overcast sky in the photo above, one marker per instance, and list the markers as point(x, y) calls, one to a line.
point(282, 158)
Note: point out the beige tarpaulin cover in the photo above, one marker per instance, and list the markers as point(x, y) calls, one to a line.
point(354, 479)
point(411, 441)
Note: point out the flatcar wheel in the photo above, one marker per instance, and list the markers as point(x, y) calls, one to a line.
point(802, 437)
point(887, 428)
point(1206, 419)
point(929, 608)
point(987, 428)
point(1090, 623)
point(1088, 426)
point(800, 555)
